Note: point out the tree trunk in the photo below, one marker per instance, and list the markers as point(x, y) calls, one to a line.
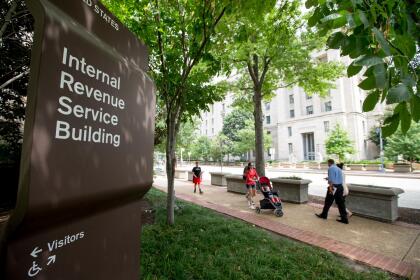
point(170, 168)
point(259, 132)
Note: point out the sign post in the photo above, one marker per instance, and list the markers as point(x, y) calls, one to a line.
point(87, 156)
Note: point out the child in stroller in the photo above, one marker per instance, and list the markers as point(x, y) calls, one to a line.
point(271, 199)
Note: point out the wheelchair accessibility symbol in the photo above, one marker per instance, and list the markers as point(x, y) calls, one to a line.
point(34, 270)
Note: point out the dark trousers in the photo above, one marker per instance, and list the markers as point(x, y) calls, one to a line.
point(339, 200)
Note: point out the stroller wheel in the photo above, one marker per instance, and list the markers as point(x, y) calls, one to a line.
point(258, 210)
point(278, 213)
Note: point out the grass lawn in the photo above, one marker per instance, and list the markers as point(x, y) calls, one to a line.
point(207, 245)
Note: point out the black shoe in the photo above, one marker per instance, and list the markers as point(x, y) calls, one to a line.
point(321, 216)
point(343, 221)
point(201, 192)
point(195, 190)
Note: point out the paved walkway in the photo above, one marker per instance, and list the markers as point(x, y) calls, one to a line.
point(391, 247)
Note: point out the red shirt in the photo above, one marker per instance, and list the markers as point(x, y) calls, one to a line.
point(251, 176)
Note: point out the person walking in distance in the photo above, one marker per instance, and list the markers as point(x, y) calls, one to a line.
point(197, 175)
point(335, 192)
point(251, 182)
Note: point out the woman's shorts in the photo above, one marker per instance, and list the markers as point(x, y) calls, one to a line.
point(252, 187)
point(196, 180)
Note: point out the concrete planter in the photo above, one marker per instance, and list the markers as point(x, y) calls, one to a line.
point(181, 174)
point(313, 165)
point(389, 165)
point(291, 190)
point(373, 167)
point(288, 165)
point(190, 175)
point(323, 166)
point(380, 203)
point(357, 167)
point(218, 178)
point(402, 167)
point(236, 184)
point(275, 164)
point(302, 165)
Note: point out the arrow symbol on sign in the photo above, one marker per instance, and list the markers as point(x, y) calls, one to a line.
point(51, 259)
point(35, 252)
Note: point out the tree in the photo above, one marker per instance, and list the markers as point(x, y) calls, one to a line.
point(382, 38)
point(235, 121)
point(179, 35)
point(246, 139)
point(187, 135)
point(405, 144)
point(339, 143)
point(16, 34)
point(272, 51)
point(220, 147)
point(201, 148)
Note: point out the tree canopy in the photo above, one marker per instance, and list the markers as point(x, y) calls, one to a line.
point(339, 143)
point(16, 34)
point(407, 145)
point(382, 38)
point(272, 51)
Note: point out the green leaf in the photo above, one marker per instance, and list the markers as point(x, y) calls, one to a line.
point(313, 20)
point(364, 19)
point(331, 17)
point(353, 70)
point(405, 118)
point(380, 75)
point(406, 44)
point(334, 41)
point(398, 94)
point(310, 3)
point(368, 60)
point(368, 83)
point(371, 101)
point(382, 41)
point(415, 107)
point(391, 125)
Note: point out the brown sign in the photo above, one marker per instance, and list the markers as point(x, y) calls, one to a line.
point(88, 148)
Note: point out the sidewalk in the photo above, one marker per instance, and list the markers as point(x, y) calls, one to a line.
point(391, 247)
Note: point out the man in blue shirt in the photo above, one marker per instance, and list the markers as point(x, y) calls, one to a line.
point(335, 192)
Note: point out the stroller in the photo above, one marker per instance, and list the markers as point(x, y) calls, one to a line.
point(271, 199)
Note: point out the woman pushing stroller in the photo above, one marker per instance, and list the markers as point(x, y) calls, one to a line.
point(251, 177)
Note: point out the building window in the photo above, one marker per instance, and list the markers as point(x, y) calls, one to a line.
point(267, 106)
point(291, 99)
point(212, 121)
point(206, 131)
point(212, 131)
point(327, 126)
point(292, 113)
point(309, 110)
point(289, 129)
point(328, 106)
point(268, 119)
point(308, 96)
point(364, 127)
point(290, 148)
point(206, 123)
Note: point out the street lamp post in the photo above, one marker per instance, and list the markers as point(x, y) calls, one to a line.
point(182, 149)
point(189, 157)
point(381, 146)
